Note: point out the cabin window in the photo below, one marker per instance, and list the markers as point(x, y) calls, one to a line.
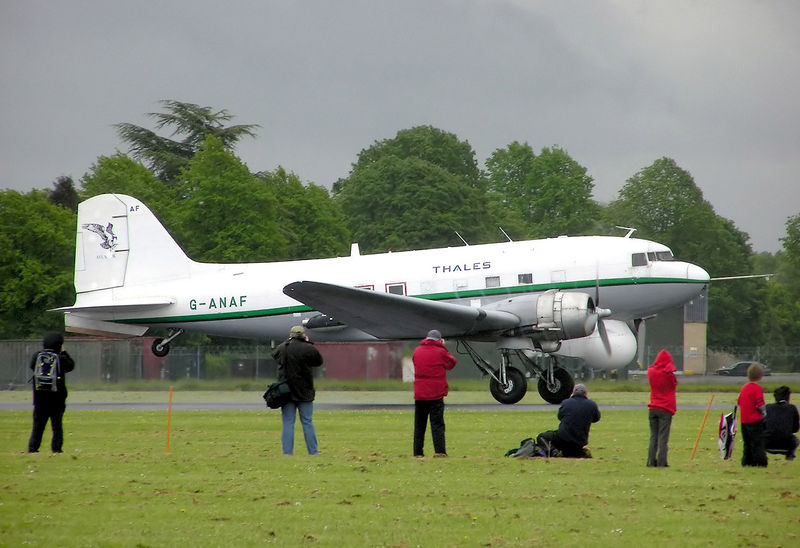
point(396, 289)
point(525, 278)
point(639, 259)
point(492, 281)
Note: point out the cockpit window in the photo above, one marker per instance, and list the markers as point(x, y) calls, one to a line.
point(664, 256)
point(639, 259)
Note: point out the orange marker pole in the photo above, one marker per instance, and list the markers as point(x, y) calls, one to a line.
point(700, 433)
point(169, 417)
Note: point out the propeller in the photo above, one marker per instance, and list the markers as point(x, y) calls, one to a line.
point(601, 312)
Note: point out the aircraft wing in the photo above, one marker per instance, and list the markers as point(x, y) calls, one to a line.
point(388, 316)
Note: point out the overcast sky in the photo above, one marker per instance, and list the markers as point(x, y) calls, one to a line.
point(715, 85)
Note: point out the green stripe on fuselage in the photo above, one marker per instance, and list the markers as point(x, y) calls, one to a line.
point(466, 294)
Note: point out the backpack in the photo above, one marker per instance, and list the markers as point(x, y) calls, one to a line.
point(527, 448)
point(45, 371)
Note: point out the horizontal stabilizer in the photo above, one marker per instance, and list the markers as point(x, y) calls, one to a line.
point(388, 316)
point(119, 306)
point(101, 328)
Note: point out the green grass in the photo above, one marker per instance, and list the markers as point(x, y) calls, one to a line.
point(225, 483)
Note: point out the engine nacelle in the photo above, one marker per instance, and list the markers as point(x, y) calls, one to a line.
point(611, 347)
point(552, 316)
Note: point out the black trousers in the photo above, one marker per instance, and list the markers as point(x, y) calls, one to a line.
point(660, 423)
point(433, 409)
point(47, 407)
point(753, 437)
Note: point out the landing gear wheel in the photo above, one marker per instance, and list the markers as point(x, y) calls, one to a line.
point(515, 389)
point(560, 389)
point(160, 349)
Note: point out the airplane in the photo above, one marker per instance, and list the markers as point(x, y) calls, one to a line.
point(536, 300)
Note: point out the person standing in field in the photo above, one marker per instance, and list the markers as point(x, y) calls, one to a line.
point(752, 412)
point(296, 357)
point(49, 391)
point(431, 363)
point(662, 406)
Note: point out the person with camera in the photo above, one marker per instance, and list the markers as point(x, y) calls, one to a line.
point(296, 357)
point(49, 391)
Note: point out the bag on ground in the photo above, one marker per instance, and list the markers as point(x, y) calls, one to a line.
point(45, 371)
point(277, 394)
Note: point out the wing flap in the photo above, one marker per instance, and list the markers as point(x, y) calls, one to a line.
point(388, 316)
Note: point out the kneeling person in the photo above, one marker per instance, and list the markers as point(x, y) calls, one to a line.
point(576, 416)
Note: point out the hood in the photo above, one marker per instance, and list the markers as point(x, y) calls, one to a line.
point(53, 341)
point(664, 361)
point(431, 342)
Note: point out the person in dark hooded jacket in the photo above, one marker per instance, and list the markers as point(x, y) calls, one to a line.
point(49, 405)
point(661, 376)
point(431, 363)
point(296, 356)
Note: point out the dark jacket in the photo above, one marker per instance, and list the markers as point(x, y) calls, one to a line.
point(661, 376)
point(431, 363)
point(577, 415)
point(53, 342)
point(295, 359)
point(781, 422)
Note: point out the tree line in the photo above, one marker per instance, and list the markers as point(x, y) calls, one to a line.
point(421, 189)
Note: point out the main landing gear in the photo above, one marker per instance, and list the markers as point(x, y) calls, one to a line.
point(508, 384)
point(161, 346)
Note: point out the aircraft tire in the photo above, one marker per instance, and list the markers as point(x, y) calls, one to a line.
point(516, 389)
point(560, 390)
point(163, 351)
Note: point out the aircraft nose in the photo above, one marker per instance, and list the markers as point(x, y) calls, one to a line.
point(695, 273)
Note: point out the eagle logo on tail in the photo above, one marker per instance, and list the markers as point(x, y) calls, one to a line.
point(109, 239)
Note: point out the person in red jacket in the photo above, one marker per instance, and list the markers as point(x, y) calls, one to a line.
point(431, 363)
point(753, 409)
point(661, 376)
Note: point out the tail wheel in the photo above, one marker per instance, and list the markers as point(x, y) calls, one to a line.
point(560, 389)
point(159, 348)
point(514, 390)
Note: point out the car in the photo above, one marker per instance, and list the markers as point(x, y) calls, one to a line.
point(739, 369)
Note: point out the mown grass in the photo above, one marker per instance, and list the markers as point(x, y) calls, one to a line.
point(225, 483)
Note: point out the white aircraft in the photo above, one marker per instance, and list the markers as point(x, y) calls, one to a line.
point(536, 300)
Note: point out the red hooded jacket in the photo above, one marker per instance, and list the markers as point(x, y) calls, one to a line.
point(431, 363)
point(661, 376)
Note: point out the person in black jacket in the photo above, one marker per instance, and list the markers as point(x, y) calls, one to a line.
point(576, 416)
point(47, 404)
point(296, 356)
point(780, 424)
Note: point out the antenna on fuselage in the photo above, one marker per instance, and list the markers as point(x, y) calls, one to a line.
point(629, 229)
point(460, 238)
point(504, 234)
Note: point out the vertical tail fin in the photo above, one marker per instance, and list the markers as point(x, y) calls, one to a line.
point(120, 243)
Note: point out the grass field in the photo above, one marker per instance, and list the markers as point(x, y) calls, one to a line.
point(225, 483)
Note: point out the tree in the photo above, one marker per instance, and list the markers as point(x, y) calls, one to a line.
point(166, 156)
point(664, 204)
point(550, 194)
point(225, 213)
point(37, 250)
point(64, 193)
point(119, 174)
point(414, 192)
point(310, 221)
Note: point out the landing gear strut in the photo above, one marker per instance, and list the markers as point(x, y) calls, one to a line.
point(161, 346)
point(508, 384)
